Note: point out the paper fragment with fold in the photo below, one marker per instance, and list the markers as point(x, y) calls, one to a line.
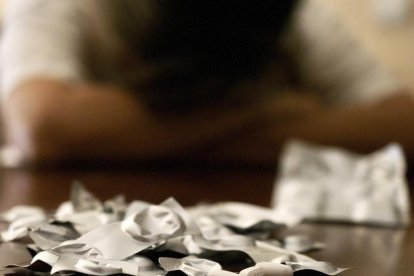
point(113, 237)
point(330, 184)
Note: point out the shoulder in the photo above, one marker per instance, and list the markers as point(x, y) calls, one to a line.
point(314, 19)
point(40, 38)
point(29, 18)
point(23, 10)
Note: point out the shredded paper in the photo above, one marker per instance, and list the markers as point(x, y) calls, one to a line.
point(91, 237)
point(88, 236)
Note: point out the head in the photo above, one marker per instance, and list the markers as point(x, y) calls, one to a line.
point(210, 45)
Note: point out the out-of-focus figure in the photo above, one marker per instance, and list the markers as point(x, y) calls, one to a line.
point(232, 80)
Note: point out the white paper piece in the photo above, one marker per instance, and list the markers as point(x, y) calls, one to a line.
point(190, 265)
point(73, 259)
point(271, 268)
point(47, 236)
point(283, 255)
point(322, 267)
point(116, 206)
point(301, 244)
point(113, 243)
point(268, 269)
point(183, 244)
point(48, 257)
point(149, 227)
point(226, 243)
point(21, 219)
point(21, 211)
point(323, 183)
point(99, 266)
point(115, 240)
point(82, 199)
point(136, 206)
point(212, 230)
point(245, 217)
point(259, 251)
point(86, 212)
point(87, 221)
point(153, 224)
point(220, 272)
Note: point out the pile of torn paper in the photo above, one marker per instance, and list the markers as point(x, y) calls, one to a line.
point(90, 237)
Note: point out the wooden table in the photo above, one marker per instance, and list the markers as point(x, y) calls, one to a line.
point(372, 251)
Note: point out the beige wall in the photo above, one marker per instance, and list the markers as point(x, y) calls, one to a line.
point(391, 43)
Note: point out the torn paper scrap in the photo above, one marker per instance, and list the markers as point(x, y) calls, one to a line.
point(331, 184)
point(141, 238)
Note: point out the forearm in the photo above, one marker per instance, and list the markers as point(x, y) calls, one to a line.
point(51, 121)
point(48, 120)
point(361, 128)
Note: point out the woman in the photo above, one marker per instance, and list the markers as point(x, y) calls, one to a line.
point(160, 79)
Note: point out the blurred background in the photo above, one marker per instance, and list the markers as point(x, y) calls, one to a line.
point(385, 27)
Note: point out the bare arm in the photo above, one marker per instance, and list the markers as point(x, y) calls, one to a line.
point(50, 121)
point(362, 128)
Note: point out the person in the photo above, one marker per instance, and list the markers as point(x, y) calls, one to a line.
point(223, 81)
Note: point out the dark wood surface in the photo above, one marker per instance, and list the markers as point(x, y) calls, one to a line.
point(370, 251)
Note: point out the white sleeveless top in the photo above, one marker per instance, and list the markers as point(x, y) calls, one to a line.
point(45, 38)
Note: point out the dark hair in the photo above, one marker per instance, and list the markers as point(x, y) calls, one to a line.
point(209, 45)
